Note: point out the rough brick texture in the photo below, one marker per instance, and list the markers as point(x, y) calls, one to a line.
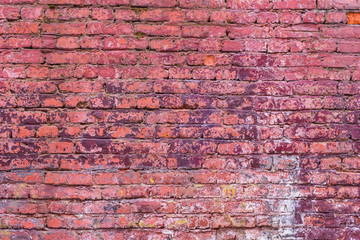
point(179, 119)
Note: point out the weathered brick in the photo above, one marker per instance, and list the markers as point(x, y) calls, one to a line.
point(157, 30)
point(179, 119)
point(244, 4)
point(302, 4)
point(202, 4)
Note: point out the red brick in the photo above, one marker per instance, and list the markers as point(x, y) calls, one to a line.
point(197, 16)
point(80, 87)
point(102, 14)
point(267, 17)
point(331, 147)
point(26, 56)
point(245, 4)
point(67, 42)
point(202, 4)
point(117, 178)
point(202, 32)
point(126, 15)
point(48, 131)
point(74, 2)
point(32, 12)
point(57, 178)
point(160, 15)
point(330, 163)
point(66, 57)
point(250, 32)
point(341, 32)
point(14, 72)
point(348, 46)
point(150, 3)
point(96, 28)
point(157, 30)
point(61, 147)
point(9, 12)
point(302, 4)
point(236, 148)
point(352, 163)
point(313, 17)
point(23, 132)
point(64, 28)
point(107, 2)
point(336, 17)
point(329, 4)
point(20, 28)
point(179, 119)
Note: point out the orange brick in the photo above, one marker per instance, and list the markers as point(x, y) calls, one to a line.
point(353, 18)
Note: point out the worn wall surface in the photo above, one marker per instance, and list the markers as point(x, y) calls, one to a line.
point(179, 119)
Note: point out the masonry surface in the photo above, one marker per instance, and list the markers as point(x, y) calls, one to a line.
point(179, 119)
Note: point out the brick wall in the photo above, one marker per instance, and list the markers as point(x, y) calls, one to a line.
point(179, 119)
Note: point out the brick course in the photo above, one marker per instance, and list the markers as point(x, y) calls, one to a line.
point(179, 119)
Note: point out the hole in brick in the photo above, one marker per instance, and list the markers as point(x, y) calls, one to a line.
point(353, 18)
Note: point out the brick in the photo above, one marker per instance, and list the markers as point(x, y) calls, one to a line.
point(9, 12)
point(56, 178)
point(336, 17)
point(236, 148)
point(330, 163)
point(244, 4)
point(70, 58)
point(18, 42)
point(14, 72)
point(350, 4)
point(77, 87)
point(157, 30)
point(61, 147)
point(353, 18)
point(162, 16)
point(48, 131)
point(341, 32)
point(165, 178)
point(20, 28)
point(302, 4)
point(149, 3)
point(32, 12)
point(202, 4)
point(26, 56)
point(351, 163)
point(51, 102)
point(232, 17)
point(250, 32)
point(177, 45)
point(197, 16)
point(335, 147)
point(125, 15)
point(290, 18)
point(102, 14)
point(91, 43)
point(313, 17)
point(179, 119)
point(74, 2)
point(115, 178)
point(267, 17)
point(113, 57)
point(37, 72)
point(67, 42)
point(96, 28)
point(64, 28)
point(348, 46)
point(107, 2)
point(202, 32)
